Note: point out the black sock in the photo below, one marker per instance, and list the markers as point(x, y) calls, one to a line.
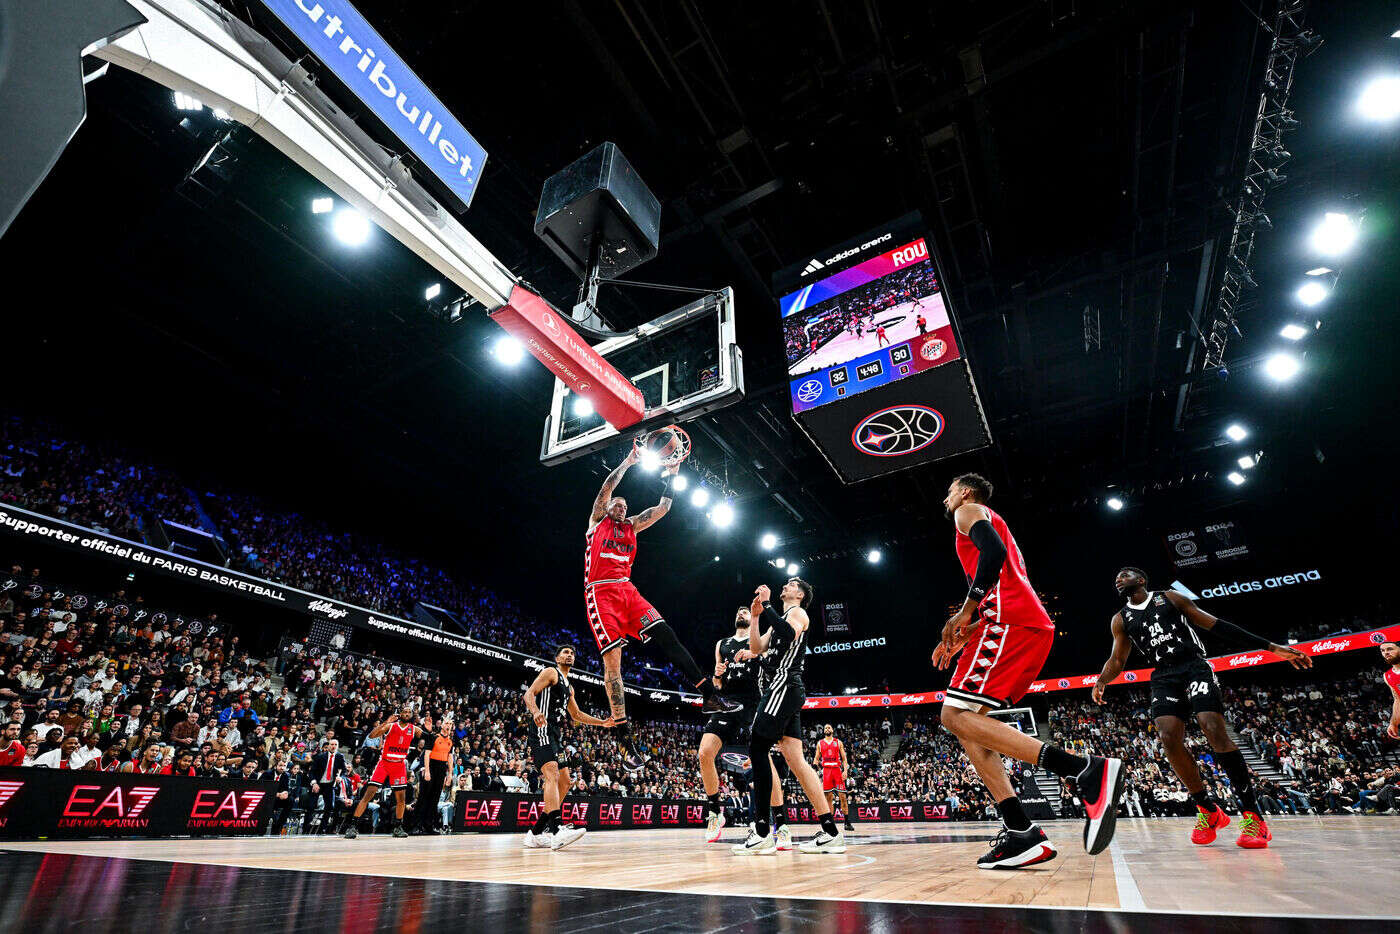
point(661, 635)
point(762, 782)
point(1233, 764)
point(1063, 764)
point(779, 812)
point(623, 734)
point(541, 823)
point(1013, 815)
point(1202, 799)
point(555, 820)
point(828, 823)
point(713, 807)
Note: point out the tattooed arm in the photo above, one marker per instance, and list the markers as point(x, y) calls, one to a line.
point(649, 516)
point(600, 503)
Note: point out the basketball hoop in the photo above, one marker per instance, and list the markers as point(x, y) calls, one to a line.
point(662, 448)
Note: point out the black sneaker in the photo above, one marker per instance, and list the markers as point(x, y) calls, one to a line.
point(1017, 849)
point(1101, 787)
point(399, 831)
point(351, 833)
point(716, 704)
point(632, 760)
point(848, 826)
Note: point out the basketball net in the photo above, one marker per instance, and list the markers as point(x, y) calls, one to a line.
point(662, 448)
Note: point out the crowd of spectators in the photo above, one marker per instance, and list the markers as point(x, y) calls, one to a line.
point(810, 329)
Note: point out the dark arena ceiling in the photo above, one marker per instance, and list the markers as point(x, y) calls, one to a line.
point(1077, 163)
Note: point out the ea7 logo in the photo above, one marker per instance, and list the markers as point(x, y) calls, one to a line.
point(527, 811)
point(670, 813)
point(576, 812)
point(694, 813)
point(610, 813)
point(328, 608)
point(902, 812)
point(487, 810)
point(232, 806)
point(119, 803)
point(7, 791)
point(867, 813)
point(641, 813)
point(932, 811)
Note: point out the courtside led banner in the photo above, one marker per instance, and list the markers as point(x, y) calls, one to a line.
point(338, 35)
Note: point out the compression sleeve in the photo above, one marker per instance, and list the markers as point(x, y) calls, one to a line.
point(770, 615)
point(1239, 636)
point(991, 555)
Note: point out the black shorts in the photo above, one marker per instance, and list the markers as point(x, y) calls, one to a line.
point(1182, 692)
point(779, 711)
point(732, 728)
point(545, 746)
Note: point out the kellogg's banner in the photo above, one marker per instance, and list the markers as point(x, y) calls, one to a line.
point(88, 803)
point(507, 812)
point(1224, 663)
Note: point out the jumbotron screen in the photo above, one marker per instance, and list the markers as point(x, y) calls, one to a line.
point(870, 324)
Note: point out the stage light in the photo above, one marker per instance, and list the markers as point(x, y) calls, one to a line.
point(1311, 293)
point(508, 350)
point(873, 556)
point(1247, 462)
point(1236, 432)
point(322, 205)
point(780, 562)
point(350, 226)
point(1293, 332)
point(1235, 477)
point(582, 407)
point(716, 557)
point(768, 542)
point(1318, 271)
point(1115, 503)
point(793, 568)
point(679, 483)
point(1334, 235)
point(1282, 367)
point(722, 515)
point(433, 291)
point(651, 461)
point(700, 497)
point(1380, 100)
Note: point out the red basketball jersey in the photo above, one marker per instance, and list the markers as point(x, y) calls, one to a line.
point(1392, 678)
point(829, 752)
point(13, 754)
point(1012, 601)
point(398, 741)
point(612, 547)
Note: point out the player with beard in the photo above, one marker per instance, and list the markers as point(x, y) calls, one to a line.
point(1010, 633)
point(1390, 651)
point(1162, 626)
point(399, 732)
point(831, 759)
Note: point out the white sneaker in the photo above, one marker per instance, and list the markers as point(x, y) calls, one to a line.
point(567, 834)
point(713, 825)
point(538, 841)
point(824, 842)
point(755, 845)
point(783, 836)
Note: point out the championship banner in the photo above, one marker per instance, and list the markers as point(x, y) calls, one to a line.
point(506, 812)
point(1208, 544)
point(837, 616)
point(24, 525)
point(1223, 663)
point(87, 803)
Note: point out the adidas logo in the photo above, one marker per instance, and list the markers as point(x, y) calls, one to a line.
point(813, 266)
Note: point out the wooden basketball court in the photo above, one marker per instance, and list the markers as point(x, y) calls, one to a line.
point(1338, 867)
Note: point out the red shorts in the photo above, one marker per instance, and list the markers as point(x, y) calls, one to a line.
point(390, 772)
point(618, 612)
point(832, 779)
point(999, 663)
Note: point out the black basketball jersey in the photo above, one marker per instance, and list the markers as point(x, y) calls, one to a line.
point(1161, 633)
point(554, 704)
point(740, 681)
point(787, 651)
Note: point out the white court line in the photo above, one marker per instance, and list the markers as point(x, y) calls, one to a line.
point(1128, 895)
point(865, 861)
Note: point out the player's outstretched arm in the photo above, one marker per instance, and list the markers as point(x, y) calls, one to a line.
point(600, 502)
point(1242, 637)
point(1117, 660)
point(586, 718)
point(383, 728)
point(758, 643)
point(544, 679)
point(652, 514)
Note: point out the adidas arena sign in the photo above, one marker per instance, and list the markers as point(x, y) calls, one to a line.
point(814, 263)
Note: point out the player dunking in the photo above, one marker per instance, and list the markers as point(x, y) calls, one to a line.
point(399, 732)
point(551, 704)
point(618, 612)
point(1160, 625)
point(1391, 653)
point(1010, 634)
point(831, 759)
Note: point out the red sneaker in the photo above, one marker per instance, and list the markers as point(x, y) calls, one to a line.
point(1254, 833)
point(1207, 823)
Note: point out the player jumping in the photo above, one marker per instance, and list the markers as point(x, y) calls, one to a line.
point(831, 759)
point(618, 612)
point(1010, 634)
point(1183, 683)
point(550, 701)
point(399, 732)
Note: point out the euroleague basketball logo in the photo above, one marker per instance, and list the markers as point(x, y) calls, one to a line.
point(1377, 637)
point(897, 430)
point(1130, 676)
point(810, 391)
point(933, 349)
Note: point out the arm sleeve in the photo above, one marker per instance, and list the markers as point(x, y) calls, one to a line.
point(991, 555)
point(1243, 637)
point(771, 617)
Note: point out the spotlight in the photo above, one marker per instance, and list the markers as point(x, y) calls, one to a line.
point(508, 350)
point(1247, 462)
point(873, 556)
point(716, 557)
point(722, 515)
point(793, 568)
point(700, 497)
point(1293, 332)
point(1380, 100)
point(1311, 293)
point(582, 407)
point(1282, 366)
point(768, 542)
point(433, 291)
point(679, 483)
point(350, 226)
point(780, 562)
point(1236, 432)
point(1319, 271)
point(1115, 503)
point(1235, 477)
point(322, 205)
point(1334, 235)
point(651, 461)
